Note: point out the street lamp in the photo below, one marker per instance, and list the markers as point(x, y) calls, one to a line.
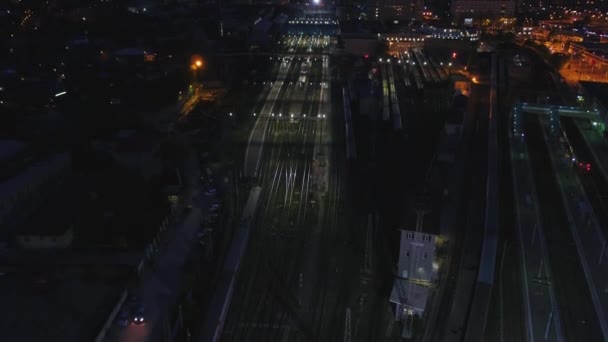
point(196, 63)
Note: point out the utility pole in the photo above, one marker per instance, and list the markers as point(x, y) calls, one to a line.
point(422, 208)
point(347, 329)
point(368, 261)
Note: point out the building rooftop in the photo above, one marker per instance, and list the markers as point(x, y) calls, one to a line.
point(9, 148)
point(69, 305)
point(54, 218)
point(8, 187)
point(130, 142)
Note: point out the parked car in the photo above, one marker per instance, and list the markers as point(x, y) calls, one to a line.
point(122, 319)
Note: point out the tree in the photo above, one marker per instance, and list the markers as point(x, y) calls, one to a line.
point(558, 60)
point(586, 20)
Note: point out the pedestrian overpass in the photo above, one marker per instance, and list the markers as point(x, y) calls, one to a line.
point(575, 112)
point(553, 111)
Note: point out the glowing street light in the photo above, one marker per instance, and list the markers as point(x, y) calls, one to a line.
point(196, 62)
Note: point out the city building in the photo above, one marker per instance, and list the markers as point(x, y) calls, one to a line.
point(438, 8)
point(51, 226)
point(470, 11)
point(395, 9)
